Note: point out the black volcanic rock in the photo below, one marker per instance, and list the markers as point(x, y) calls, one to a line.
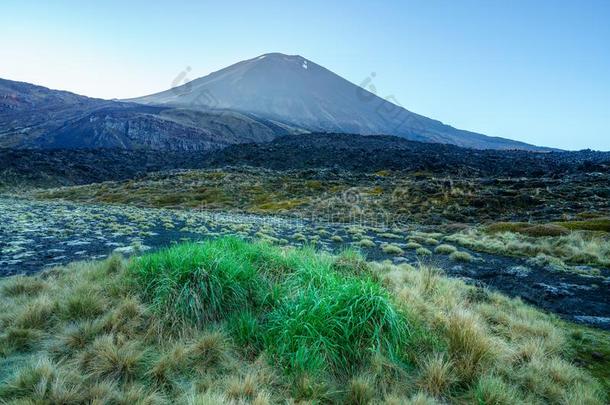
point(62, 167)
point(341, 152)
point(374, 153)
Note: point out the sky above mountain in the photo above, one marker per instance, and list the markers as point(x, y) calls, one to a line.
point(537, 72)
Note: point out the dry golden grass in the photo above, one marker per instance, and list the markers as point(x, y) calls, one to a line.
point(437, 375)
point(574, 248)
point(505, 351)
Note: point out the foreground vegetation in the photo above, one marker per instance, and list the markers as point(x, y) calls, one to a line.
point(226, 321)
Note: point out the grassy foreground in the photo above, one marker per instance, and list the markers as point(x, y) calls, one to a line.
point(227, 321)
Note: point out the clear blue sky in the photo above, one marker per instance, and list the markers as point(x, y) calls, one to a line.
point(536, 71)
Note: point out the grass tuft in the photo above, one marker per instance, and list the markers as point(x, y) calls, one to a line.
point(83, 304)
point(21, 285)
point(392, 249)
point(366, 243)
point(110, 358)
point(199, 283)
point(37, 314)
point(437, 375)
point(422, 251)
point(361, 391)
point(19, 340)
point(445, 249)
point(461, 257)
point(335, 328)
point(209, 350)
point(492, 390)
point(469, 346)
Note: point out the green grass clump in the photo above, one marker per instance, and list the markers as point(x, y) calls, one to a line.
point(335, 327)
point(595, 224)
point(199, 283)
point(461, 257)
point(535, 230)
point(445, 249)
point(366, 243)
point(317, 313)
point(392, 249)
point(422, 251)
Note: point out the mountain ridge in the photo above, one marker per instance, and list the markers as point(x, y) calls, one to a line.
point(33, 116)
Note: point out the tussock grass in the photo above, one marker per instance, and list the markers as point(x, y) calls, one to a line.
point(422, 251)
point(337, 328)
point(392, 249)
point(228, 322)
point(574, 248)
point(461, 256)
point(437, 375)
point(413, 245)
point(19, 285)
point(366, 243)
point(198, 283)
point(494, 390)
point(19, 339)
point(525, 228)
point(109, 357)
point(592, 224)
point(491, 343)
point(445, 249)
point(361, 391)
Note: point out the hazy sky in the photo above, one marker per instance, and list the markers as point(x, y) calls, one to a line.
point(536, 71)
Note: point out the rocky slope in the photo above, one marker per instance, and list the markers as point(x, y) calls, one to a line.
point(36, 117)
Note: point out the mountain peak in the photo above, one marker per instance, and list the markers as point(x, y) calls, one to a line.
point(279, 59)
point(278, 56)
point(294, 90)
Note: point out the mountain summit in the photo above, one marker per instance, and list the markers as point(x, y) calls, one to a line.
point(299, 92)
